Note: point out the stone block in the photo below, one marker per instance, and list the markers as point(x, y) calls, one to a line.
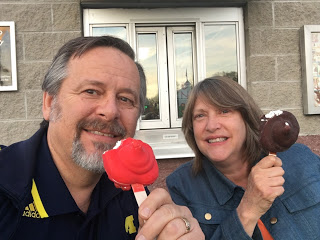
point(61, 38)
point(15, 131)
point(38, 46)
point(259, 14)
point(12, 105)
point(276, 95)
point(34, 104)
point(260, 92)
point(261, 68)
point(44, 46)
point(27, 17)
point(270, 41)
point(285, 95)
point(296, 14)
point(19, 47)
point(289, 68)
point(31, 74)
point(308, 124)
point(66, 17)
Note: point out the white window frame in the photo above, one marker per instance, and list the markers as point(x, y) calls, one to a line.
point(170, 143)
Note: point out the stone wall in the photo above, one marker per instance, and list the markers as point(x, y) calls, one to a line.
point(273, 55)
point(272, 50)
point(41, 28)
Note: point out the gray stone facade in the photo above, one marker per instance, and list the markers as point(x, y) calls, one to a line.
point(272, 51)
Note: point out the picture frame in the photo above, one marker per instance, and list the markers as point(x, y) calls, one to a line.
point(310, 65)
point(8, 65)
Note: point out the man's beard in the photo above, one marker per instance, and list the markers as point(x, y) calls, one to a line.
point(89, 161)
point(93, 161)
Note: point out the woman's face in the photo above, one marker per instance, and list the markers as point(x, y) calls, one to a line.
point(219, 133)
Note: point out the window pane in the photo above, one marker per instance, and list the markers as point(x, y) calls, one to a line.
point(119, 32)
point(220, 50)
point(147, 56)
point(183, 68)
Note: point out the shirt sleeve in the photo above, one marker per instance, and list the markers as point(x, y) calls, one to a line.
point(8, 217)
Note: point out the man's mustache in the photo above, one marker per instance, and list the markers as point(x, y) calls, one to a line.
point(99, 125)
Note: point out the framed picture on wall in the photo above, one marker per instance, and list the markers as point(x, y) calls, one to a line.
point(8, 66)
point(310, 62)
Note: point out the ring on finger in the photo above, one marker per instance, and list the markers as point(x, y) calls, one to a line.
point(187, 223)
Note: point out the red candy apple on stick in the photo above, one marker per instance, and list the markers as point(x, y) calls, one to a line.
point(279, 130)
point(131, 164)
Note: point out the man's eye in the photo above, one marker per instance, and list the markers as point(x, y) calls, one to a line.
point(126, 100)
point(91, 92)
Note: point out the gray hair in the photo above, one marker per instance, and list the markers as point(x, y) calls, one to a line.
point(58, 70)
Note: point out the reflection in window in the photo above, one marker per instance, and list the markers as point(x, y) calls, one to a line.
point(147, 56)
point(119, 32)
point(221, 51)
point(183, 69)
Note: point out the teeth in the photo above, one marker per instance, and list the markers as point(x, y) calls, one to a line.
point(101, 134)
point(217, 140)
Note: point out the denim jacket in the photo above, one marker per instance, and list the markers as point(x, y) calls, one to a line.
point(213, 199)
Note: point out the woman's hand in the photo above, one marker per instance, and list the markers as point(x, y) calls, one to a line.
point(265, 183)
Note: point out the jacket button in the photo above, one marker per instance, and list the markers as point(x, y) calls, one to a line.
point(273, 220)
point(207, 216)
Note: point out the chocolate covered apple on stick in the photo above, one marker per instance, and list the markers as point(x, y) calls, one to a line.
point(131, 164)
point(279, 130)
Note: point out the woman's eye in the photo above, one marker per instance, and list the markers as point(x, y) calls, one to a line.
point(224, 111)
point(198, 116)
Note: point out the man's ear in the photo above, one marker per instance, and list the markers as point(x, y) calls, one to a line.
point(46, 105)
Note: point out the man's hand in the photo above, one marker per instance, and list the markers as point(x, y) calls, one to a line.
point(160, 218)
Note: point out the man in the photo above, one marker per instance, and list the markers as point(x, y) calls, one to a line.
point(53, 185)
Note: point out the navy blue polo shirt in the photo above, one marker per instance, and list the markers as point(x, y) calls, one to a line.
point(51, 212)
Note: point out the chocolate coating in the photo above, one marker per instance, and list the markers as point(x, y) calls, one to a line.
point(278, 133)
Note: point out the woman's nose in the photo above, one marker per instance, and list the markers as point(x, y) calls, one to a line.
point(213, 123)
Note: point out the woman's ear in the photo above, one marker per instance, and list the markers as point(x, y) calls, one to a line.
point(46, 105)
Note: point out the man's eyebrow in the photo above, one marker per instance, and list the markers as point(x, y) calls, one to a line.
point(92, 82)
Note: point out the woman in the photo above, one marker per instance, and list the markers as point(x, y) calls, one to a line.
point(233, 188)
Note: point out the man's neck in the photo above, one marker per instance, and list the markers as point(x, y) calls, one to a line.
point(80, 183)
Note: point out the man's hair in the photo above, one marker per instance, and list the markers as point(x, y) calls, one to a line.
point(224, 93)
point(58, 71)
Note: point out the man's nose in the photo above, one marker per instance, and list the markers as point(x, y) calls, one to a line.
point(108, 108)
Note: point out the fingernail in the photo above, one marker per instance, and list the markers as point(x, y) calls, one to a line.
point(145, 213)
point(141, 237)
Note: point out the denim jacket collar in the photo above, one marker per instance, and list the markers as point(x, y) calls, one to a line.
point(222, 187)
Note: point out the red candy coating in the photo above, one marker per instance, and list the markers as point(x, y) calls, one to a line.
point(279, 130)
point(132, 162)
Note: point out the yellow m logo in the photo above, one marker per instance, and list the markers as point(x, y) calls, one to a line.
point(130, 228)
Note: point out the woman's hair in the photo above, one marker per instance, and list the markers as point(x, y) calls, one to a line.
point(224, 93)
point(58, 70)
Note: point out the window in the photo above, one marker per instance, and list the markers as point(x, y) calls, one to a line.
point(177, 48)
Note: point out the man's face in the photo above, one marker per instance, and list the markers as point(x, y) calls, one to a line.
point(97, 105)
